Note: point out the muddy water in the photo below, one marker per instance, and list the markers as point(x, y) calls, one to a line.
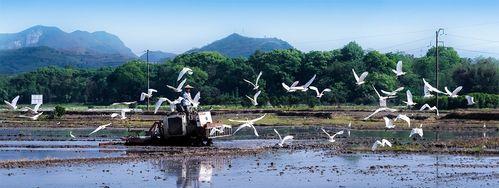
point(36, 150)
point(315, 132)
point(276, 167)
point(58, 134)
point(42, 143)
point(300, 132)
point(304, 168)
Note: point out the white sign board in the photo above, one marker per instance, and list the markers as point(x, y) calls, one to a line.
point(36, 99)
point(204, 118)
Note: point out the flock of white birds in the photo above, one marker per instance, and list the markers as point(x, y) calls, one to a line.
point(389, 123)
point(33, 112)
point(294, 87)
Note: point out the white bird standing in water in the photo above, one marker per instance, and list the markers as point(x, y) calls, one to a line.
point(148, 94)
point(35, 109)
point(34, 118)
point(171, 103)
point(254, 99)
point(359, 80)
point(248, 123)
point(405, 118)
point(13, 104)
point(71, 134)
point(183, 71)
point(255, 85)
point(177, 89)
point(470, 100)
point(381, 143)
point(319, 95)
point(453, 94)
point(380, 110)
point(418, 131)
point(392, 93)
point(427, 106)
point(399, 71)
point(331, 138)
point(388, 123)
point(99, 128)
point(409, 101)
point(283, 140)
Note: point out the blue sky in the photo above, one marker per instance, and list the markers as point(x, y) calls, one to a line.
point(472, 27)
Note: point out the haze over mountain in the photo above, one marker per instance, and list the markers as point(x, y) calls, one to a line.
point(31, 58)
point(78, 42)
point(236, 45)
point(41, 46)
point(157, 56)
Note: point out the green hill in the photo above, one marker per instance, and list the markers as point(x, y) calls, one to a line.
point(32, 58)
point(236, 45)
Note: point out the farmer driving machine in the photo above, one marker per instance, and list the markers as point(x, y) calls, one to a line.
point(182, 129)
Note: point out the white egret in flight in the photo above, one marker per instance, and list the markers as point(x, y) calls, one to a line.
point(359, 80)
point(13, 104)
point(255, 85)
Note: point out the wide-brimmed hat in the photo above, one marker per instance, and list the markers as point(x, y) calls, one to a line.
point(188, 87)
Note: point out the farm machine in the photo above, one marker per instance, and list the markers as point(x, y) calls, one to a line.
point(181, 129)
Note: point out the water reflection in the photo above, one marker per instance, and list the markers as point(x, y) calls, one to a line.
point(191, 172)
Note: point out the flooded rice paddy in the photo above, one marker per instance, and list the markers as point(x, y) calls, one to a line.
point(281, 167)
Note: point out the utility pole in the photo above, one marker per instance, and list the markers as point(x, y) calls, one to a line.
point(437, 33)
point(148, 86)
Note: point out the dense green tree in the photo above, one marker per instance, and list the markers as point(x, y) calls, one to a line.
point(220, 78)
point(480, 75)
point(128, 81)
point(352, 52)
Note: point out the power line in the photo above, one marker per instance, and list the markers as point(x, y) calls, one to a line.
point(414, 49)
point(405, 43)
point(397, 33)
point(478, 39)
point(473, 38)
point(474, 25)
point(476, 51)
point(362, 37)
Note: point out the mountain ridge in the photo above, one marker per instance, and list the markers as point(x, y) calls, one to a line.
point(31, 58)
point(79, 42)
point(236, 45)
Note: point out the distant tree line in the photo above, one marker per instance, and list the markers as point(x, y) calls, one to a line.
point(220, 78)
